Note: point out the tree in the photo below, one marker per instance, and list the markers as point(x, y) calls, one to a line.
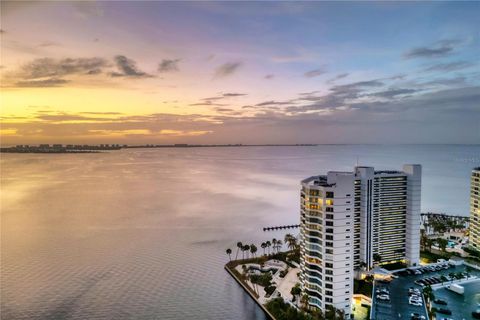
point(442, 243)
point(443, 278)
point(229, 252)
point(452, 276)
point(428, 244)
point(246, 248)
point(423, 238)
point(428, 292)
point(263, 245)
point(274, 244)
point(239, 247)
point(279, 245)
point(291, 241)
point(269, 244)
point(253, 249)
point(296, 291)
point(377, 258)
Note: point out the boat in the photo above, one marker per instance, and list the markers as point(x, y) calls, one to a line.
point(456, 288)
point(476, 314)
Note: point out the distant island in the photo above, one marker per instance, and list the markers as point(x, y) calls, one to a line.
point(59, 148)
point(76, 148)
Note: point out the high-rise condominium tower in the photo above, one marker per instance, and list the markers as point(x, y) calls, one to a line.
point(351, 219)
point(475, 209)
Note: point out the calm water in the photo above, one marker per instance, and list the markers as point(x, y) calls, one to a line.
point(142, 233)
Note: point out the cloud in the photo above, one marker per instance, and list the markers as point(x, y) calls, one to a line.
point(208, 103)
point(227, 69)
point(269, 76)
point(451, 66)
point(48, 67)
point(44, 83)
point(314, 73)
point(233, 94)
point(128, 68)
point(391, 93)
point(168, 65)
point(273, 103)
point(439, 49)
point(338, 77)
point(46, 44)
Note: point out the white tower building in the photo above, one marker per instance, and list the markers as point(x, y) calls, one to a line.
point(475, 209)
point(349, 219)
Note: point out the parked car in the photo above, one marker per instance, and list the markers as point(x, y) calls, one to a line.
point(417, 316)
point(444, 311)
point(440, 301)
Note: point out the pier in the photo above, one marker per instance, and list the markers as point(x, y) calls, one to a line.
point(292, 226)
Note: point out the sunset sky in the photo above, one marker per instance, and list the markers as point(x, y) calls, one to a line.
point(240, 72)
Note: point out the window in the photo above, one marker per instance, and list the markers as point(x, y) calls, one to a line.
point(329, 194)
point(329, 265)
point(329, 251)
point(329, 216)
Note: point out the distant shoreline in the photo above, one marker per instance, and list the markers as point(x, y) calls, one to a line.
point(58, 148)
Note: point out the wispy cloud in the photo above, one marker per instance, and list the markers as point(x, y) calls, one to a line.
point(315, 73)
point(338, 77)
point(44, 83)
point(48, 67)
point(168, 65)
point(450, 66)
point(227, 69)
point(439, 49)
point(128, 68)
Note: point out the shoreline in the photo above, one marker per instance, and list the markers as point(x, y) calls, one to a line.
point(267, 313)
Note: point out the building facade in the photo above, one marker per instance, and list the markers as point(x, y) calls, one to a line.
point(355, 219)
point(326, 238)
point(474, 237)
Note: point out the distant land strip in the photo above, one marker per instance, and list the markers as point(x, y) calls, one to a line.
point(74, 148)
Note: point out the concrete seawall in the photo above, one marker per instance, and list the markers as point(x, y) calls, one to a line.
point(267, 313)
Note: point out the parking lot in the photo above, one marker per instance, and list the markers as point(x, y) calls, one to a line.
point(398, 306)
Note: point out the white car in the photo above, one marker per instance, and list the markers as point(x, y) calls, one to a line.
point(416, 304)
point(384, 297)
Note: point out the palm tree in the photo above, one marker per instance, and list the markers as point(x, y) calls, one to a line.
point(279, 245)
point(443, 278)
point(268, 244)
point(239, 246)
point(452, 276)
point(423, 238)
point(263, 245)
point(291, 241)
point(428, 292)
point(246, 248)
point(253, 249)
point(442, 243)
point(429, 243)
point(274, 243)
point(229, 252)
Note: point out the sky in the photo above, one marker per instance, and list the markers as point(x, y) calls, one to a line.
point(239, 72)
